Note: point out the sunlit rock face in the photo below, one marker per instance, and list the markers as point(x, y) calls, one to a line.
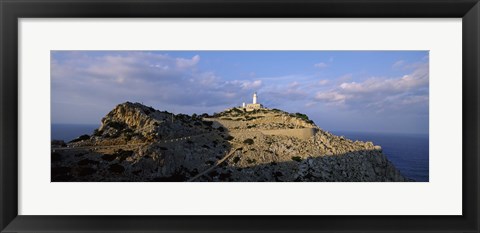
point(139, 143)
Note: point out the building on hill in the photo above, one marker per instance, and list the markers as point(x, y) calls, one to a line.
point(254, 105)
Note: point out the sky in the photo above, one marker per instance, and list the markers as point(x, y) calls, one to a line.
point(358, 91)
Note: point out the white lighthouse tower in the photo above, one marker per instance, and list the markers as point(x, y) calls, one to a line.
point(254, 105)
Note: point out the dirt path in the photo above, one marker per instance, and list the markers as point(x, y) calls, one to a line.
point(215, 165)
point(123, 146)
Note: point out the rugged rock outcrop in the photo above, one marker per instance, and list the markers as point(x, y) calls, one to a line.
point(139, 143)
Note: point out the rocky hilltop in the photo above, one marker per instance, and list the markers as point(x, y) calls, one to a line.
point(139, 143)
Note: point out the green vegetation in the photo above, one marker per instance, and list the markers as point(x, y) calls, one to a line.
point(123, 154)
point(81, 138)
point(250, 161)
point(97, 132)
point(207, 123)
point(297, 158)
point(116, 125)
point(58, 143)
point(303, 117)
point(128, 133)
point(148, 110)
point(237, 110)
point(248, 141)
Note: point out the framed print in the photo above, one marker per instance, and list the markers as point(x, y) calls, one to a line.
point(239, 116)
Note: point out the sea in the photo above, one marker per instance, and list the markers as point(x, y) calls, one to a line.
point(408, 152)
point(68, 132)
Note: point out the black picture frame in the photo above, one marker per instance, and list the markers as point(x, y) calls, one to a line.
point(11, 11)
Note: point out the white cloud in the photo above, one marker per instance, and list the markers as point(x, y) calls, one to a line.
point(381, 94)
point(398, 64)
point(321, 65)
point(331, 96)
point(345, 78)
point(156, 79)
point(294, 84)
point(246, 84)
point(208, 79)
point(186, 63)
point(414, 99)
point(323, 82)
point(416, 79)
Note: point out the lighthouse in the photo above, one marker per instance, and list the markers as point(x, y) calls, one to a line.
point(254, 105)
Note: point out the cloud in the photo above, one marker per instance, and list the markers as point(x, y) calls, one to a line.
point(246, 84)
point(416, 79)
point(323, 82)
point(108, 78)
point(86, 85)
point(185, 63)
point(382, 94)
point(321, 65)
point(398, 64)
point(331, 96)
point(251, 85)
point(294, 84)
point(345, 78)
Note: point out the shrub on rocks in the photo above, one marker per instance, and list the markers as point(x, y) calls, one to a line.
point(58, 143)
point(248, 141)
point(297, 158)
point(81, 138)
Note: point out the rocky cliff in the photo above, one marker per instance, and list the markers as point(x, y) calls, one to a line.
point(139, 143)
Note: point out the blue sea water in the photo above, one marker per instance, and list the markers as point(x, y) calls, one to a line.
point(68, 132)
point(408, 152)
